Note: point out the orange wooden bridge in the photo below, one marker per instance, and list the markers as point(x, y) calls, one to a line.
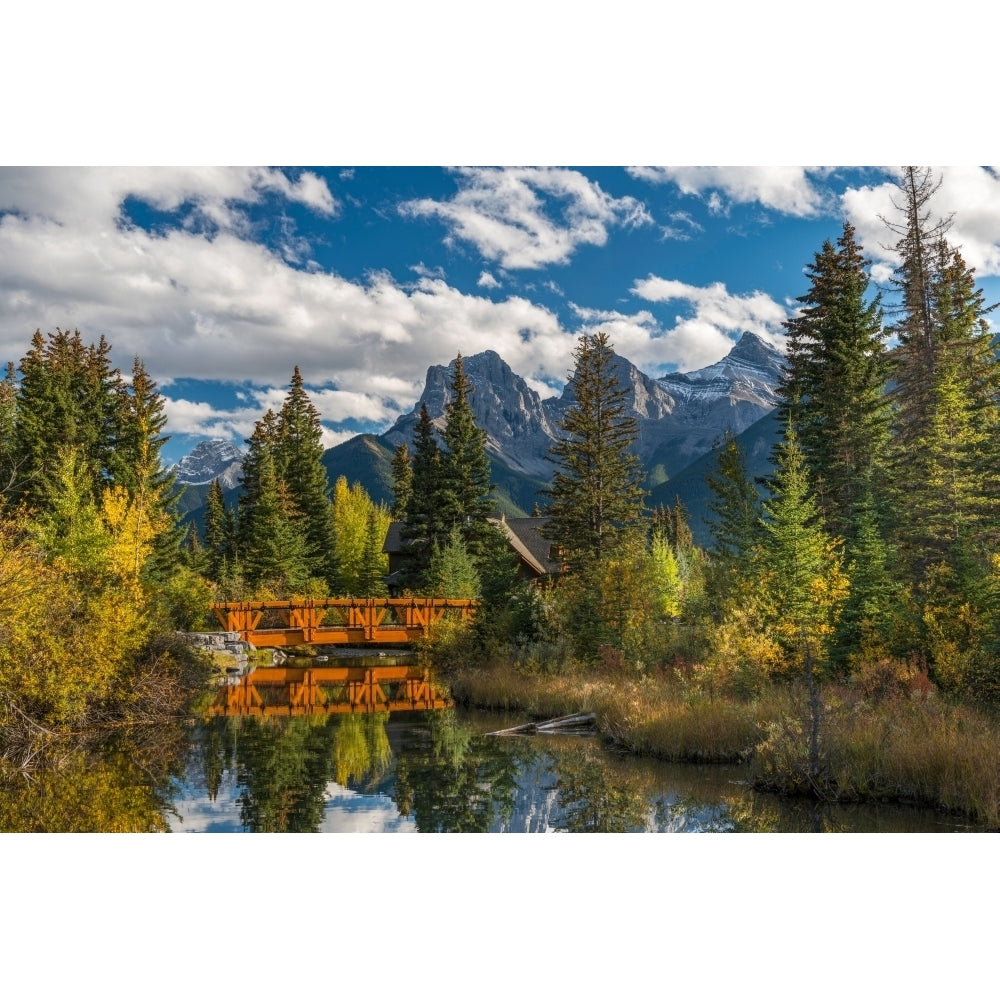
point(339, 621)
point(330, 690)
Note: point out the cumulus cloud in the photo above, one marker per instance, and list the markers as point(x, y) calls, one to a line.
point(529, 217)
point(223, 307)
point(486, 280)
point(717, 318)
point(786, 189)
point(970, 194)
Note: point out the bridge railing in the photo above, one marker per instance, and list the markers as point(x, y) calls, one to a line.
point(339, 620)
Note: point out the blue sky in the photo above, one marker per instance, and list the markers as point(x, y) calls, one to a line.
point(223, 279)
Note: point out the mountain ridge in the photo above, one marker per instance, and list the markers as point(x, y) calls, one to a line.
point(679, 417)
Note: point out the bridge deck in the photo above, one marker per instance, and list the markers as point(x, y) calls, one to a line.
point(338, 621)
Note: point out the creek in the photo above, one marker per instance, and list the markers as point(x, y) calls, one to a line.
point(410, 771)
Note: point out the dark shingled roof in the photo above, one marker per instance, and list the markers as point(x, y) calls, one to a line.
point(523, 533)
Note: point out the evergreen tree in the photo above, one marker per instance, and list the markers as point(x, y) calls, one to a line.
point(465, 481)
point(277, 560)
point(833, 387)
point(424, 525)
point(596, 496)
point(402, 479)
point(872, 605)
point(137, 464)
point(298, 451)
point(946, 445)
point(735, 504)
point(68, 392)
point(508, 608)
point(374, 562)
point(218, 541)
point(805, 586)
point(452, 572)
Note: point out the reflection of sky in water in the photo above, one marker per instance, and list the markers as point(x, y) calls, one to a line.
point(345, 811)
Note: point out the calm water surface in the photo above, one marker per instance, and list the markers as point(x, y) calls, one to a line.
point(404, 773)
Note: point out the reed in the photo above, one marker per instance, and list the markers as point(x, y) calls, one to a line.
point(918, 748)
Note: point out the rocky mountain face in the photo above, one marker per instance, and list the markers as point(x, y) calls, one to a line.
point(215, 459)
point(519, 428)
point(679, 416)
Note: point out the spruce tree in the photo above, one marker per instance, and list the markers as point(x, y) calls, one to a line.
point(805, 586)
point(424, 526)
point(596, 495)
point(735, 504)
point(402, 479)
point(465, 480)
point(298, 457)
point(833, 388)
point(218, 541)
point(945, 447)
point(276, 559)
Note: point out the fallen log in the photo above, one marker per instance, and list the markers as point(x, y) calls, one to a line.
point(579, 722)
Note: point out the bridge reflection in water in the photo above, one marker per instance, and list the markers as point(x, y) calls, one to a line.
point(330, 690)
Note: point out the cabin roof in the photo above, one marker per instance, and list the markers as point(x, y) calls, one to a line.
point(523, 533)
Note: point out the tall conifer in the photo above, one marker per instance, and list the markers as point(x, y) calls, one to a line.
point(833, 388)
point(596, 496)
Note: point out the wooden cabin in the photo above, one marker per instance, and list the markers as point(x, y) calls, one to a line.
point(537, 557)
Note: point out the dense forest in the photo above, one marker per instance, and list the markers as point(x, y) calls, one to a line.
point(869, 557)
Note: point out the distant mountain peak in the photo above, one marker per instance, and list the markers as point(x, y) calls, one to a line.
point(216, 458)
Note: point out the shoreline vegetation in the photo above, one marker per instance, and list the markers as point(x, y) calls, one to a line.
point(906, 745)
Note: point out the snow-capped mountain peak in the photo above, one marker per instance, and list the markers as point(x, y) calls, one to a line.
point(214, 459)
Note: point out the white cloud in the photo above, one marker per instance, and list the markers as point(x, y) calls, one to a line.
point(718, 318)
point(682, 227)
point(786, 189)
point(528, 217)
point(222, 307)
point(972, 194)
point(486, 280)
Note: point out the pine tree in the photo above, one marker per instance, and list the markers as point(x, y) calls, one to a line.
point(424, 525)
point(277, 559)
point(596, 496)
point(805, 586)
point(68, 392)
point(402, 479)
point(834, 386)
point(452, 572)
point(218, 541)
point(374, 562)
point(465, 481)
point(298, 457)
point(946, 450)
point(735, 503)
point(137, 464)
point(872, 605)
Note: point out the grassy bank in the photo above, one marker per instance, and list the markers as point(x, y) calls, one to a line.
point(913, 748)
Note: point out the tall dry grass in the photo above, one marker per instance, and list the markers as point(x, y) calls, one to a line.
point(906, 748)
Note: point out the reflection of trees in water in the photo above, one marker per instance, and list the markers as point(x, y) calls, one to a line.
point(361, 748)
point(594, 798)
point(124, 786)
point(283, 766)
point(450, 780)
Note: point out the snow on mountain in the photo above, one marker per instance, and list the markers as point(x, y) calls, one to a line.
point(214, 459)
point(679, 416)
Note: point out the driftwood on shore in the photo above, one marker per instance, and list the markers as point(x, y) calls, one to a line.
point(580, 722)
